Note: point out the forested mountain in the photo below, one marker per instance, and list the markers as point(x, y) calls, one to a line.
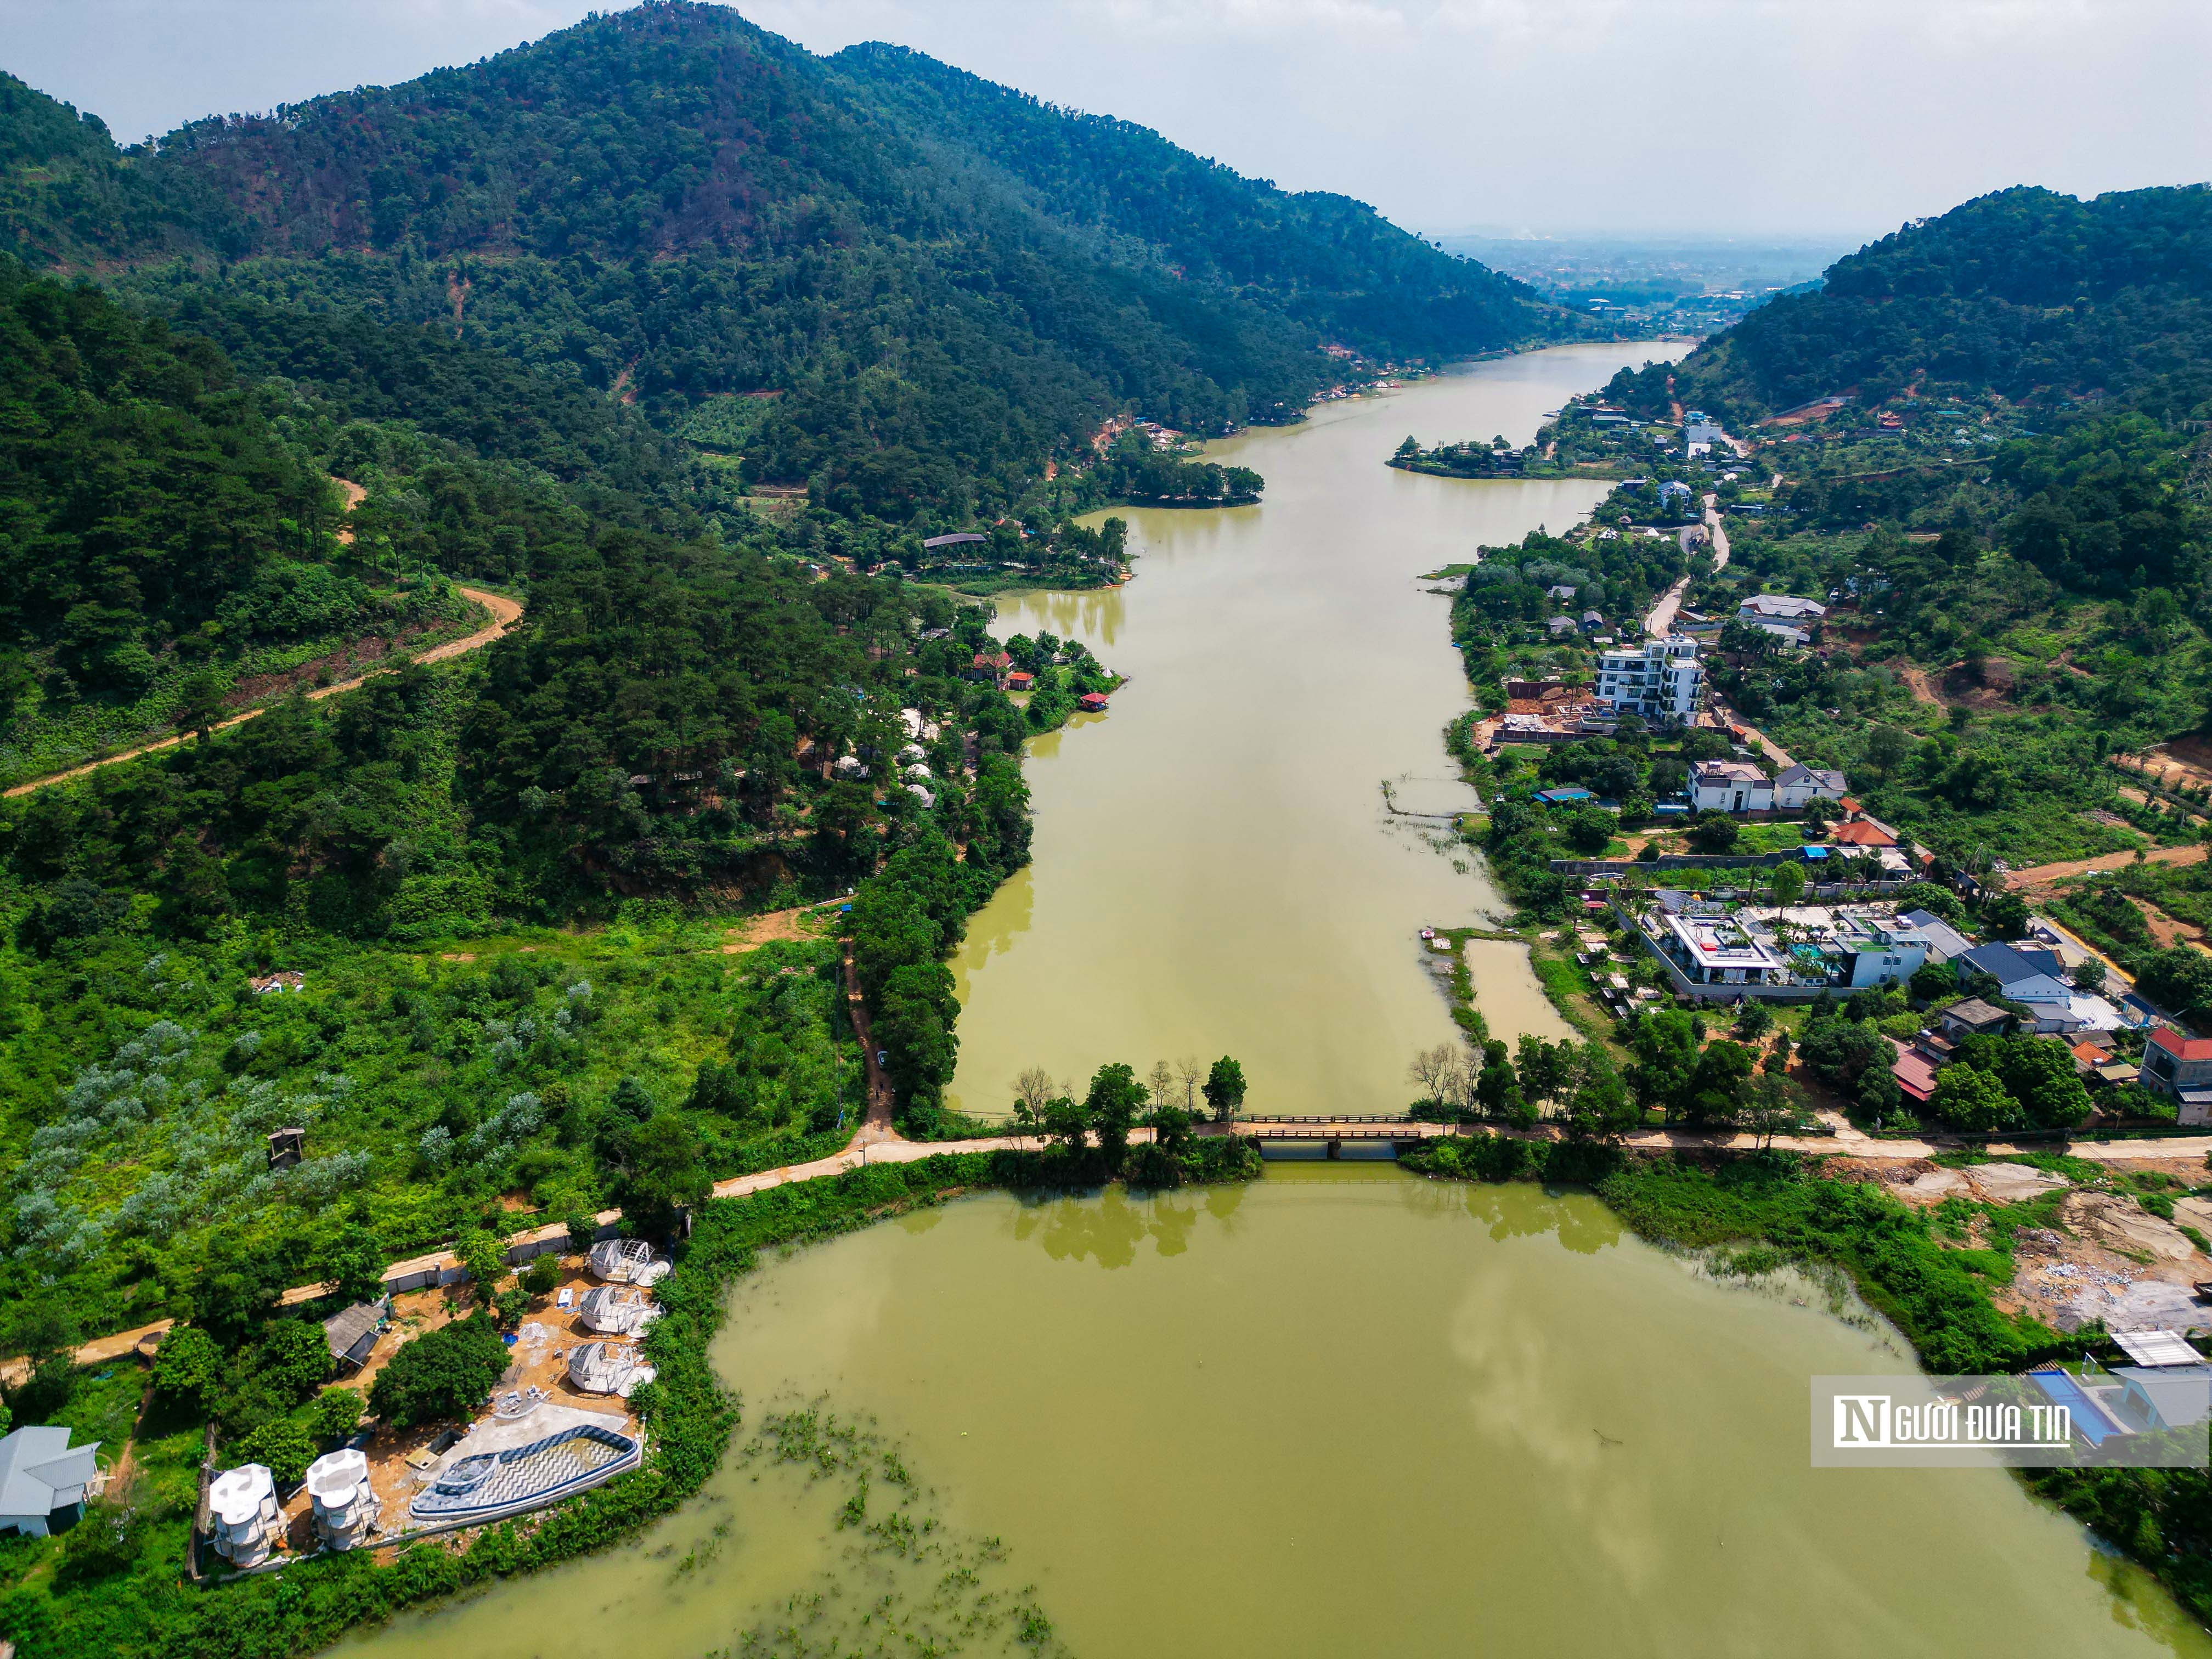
point(670, 204)
point(2026, 293)
point(482, 325)
point(67, 195)
point(2028, 369)
point(1325, 259)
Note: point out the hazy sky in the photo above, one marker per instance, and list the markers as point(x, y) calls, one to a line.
point(1822, 118)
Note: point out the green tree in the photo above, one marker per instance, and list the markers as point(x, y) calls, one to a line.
point(484, 1258)
point(1968, 1099)
point(1933, 981)
point(294, 1357)
point(1665, 1045)
point(1067, 1120)
point(440, 1375)
point(336, 1413)
point(2004, 914)
point(188, 1367)
point(1885, 748)
point(1878, 1095)
point(1599, 1108)
point(2177, 979)
point(662, 1174)
point(1224, 1088)
point(1840, 1051)
point(542, 1276)
point(632, 1099)
point(1787, 884)
point(1115, 1101)
point(1713, 832)
point(1719, 1082)
point(1547, 1070)
point(1772, 1106)
point(355, 1261)
point(282, 1445)
point(200, 705)
point(2037, 1072)
point(1171, 1127)
point(1497, 1085)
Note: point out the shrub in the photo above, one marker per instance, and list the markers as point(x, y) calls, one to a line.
point(336, 1413)
point(541, 1275)
point(282, 1445)
point(106, 1541)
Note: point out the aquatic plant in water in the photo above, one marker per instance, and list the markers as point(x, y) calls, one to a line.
point(904, 1583)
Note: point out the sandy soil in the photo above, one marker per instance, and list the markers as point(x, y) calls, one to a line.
point(2107, 1257)
point(774, 927)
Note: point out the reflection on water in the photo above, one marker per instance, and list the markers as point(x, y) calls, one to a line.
point(1335, 1412)
point(1215, 871)
point(1111, 1228)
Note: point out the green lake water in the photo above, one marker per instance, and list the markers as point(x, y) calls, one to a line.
point(1341, 1411)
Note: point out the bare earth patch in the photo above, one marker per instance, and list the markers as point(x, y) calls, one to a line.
point(774, 927)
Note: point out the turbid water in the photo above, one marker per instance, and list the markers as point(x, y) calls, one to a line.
point(1342, 1410)
point(1215, 871)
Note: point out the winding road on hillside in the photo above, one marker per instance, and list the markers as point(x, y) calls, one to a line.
point(1661, 622)
point(505, 613)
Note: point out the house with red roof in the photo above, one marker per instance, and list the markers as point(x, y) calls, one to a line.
point(2180, 1068)
point(1091, 702)
point(1915, 1073)
point(1018, 681)
point(1859, 833)
point(990, 666)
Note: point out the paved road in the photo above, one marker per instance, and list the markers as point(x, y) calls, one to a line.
point(505, 612)
point(1661, 622)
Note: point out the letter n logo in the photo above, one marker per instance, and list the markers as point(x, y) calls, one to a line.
point(1862, 1419)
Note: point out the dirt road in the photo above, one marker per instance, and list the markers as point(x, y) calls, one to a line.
point(505, 612)
point(2043, 874)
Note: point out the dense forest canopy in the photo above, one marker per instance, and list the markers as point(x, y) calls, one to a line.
point(670, 204)
point(1328, 261)
point(2027, 293)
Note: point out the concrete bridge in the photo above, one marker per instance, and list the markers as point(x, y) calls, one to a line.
point(1336, 1137)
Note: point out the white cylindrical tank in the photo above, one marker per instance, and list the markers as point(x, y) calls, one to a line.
point(346, 1507)
point(242, 1514)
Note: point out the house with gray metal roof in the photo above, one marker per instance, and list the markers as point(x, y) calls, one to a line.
point(43, 1478)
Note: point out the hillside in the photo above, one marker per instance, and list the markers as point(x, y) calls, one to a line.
point(2036, 296)
point(670, 205)
point(1328, 261)
point(1983, 448)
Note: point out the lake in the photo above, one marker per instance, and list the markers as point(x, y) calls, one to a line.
point(1215, 869)
point(1341, 1410)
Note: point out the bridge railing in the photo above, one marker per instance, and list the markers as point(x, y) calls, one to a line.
point(1335, 1118)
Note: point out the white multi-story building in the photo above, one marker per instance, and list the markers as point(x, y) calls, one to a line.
point(1727, 786)
point(1661, 680)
